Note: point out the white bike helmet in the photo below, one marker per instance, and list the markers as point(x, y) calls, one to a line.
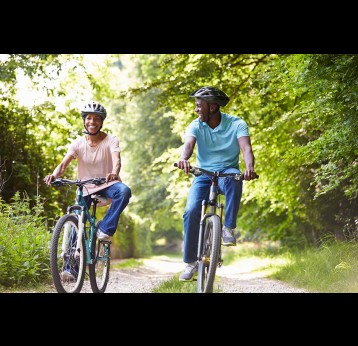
point(93, 107)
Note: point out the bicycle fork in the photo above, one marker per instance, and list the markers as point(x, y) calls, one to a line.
point(81, 236)
point(220, 207)
point(79, 211)
point(203, 220)
point(65, 239)
point(202, 229)
point(67, 233)
point(81, 227)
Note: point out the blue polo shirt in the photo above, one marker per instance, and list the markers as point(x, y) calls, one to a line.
point(218, 149)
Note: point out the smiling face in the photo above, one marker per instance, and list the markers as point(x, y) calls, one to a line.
point(205, 110)
point(93, 123)
point(202, 109)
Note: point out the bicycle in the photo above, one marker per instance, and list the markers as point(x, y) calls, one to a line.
point(74, 243)
point(209, 254)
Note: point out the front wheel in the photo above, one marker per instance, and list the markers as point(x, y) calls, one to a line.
point(209, 256)
point(68, 269)
point(99, 268)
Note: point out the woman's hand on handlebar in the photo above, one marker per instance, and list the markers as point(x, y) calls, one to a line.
point(112, 176)
point(49, 179)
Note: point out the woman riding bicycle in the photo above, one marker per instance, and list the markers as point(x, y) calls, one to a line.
point(98, 155)
point(219, 138)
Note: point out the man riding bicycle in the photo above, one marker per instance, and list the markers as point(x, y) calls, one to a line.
point(219, 137)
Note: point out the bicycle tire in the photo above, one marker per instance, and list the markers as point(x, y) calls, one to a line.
point(60, 262)
point(100, 266)
point(210, 255)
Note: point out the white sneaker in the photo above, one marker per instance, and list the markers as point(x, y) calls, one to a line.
point(103, 236)
point(228, 238)
point(66, 276)
point(189, 271)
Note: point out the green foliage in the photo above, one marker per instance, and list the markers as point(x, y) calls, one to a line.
point(123, 238)
point(148, 134)
point(142, 245)
point(24, 243)
point(173, 285)
point(300, 108)
point(301, 111)
point(23, 127)
point(332, 268)
point(324, 158)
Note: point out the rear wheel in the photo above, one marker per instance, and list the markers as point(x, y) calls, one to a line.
point(99, 268)
point(210, 255)
point(68, 269)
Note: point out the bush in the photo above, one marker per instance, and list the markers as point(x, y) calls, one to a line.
point(131, 239)
point(24, 243)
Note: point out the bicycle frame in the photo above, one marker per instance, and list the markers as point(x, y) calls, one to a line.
point(82, 212)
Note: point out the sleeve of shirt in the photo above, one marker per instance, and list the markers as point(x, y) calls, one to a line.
point(114, 144)
point(73, 149)
point(242, 129)
point(191, 130)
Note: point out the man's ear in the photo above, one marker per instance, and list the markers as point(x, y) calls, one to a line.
point(213, 107)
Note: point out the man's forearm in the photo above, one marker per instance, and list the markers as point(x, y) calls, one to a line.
point(186, 152)
point(249, 159)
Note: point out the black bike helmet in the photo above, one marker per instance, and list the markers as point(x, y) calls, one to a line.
point(93, 107)
point(211, 95)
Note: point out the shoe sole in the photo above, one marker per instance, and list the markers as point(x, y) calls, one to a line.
point(193, 278)
point(228, 244)
point(105, 238)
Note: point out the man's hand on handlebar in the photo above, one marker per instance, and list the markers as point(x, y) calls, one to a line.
point(184, 165)
point(250, 175)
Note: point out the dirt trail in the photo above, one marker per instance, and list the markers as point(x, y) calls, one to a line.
point(230, 279)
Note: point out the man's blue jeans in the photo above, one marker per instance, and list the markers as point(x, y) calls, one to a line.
point(120, 195)
point(199, 191)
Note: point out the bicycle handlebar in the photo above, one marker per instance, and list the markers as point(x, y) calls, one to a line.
point(62, 181)
point(199, 171)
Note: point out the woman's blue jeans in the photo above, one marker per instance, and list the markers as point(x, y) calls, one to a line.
point(199, 191)
point(120, 195)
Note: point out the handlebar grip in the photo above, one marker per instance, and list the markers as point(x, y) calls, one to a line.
point(57, 182)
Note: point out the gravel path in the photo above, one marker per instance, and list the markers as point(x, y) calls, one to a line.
point(230, 279)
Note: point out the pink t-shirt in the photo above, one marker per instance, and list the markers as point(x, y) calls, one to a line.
point(94, 162)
